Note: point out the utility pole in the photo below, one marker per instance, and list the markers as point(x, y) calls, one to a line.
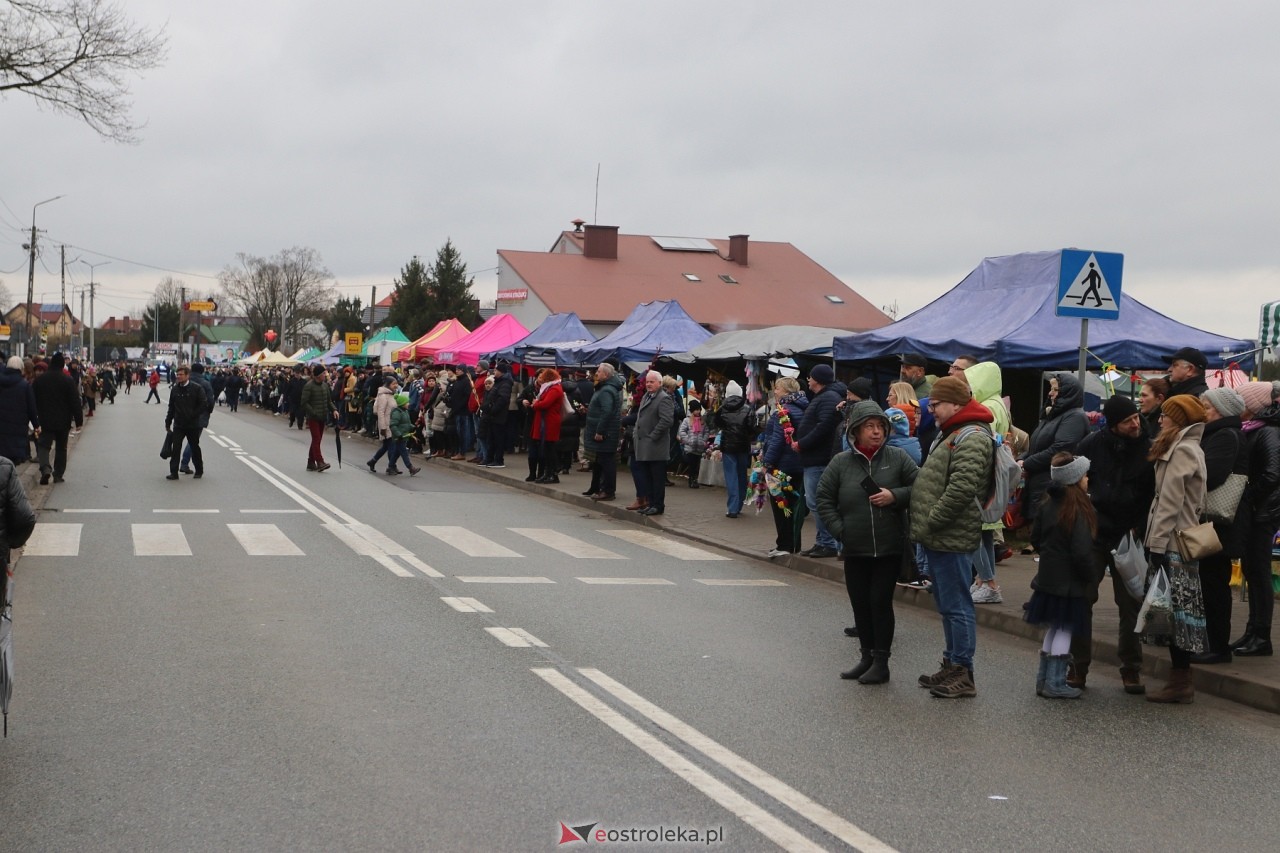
point(81, 343)
point(63, 304)
point(182, 311)
point(31, 274)
point(91, 267)
point(373, 300)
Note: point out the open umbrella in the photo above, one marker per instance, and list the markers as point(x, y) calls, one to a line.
point(6, 647)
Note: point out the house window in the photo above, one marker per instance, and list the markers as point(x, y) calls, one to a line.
point(728, 279)
point(835, 300)
point(691, 277)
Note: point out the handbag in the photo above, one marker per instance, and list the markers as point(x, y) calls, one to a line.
point(565, 406)
point(1220, 504)
point(1131, 565)
point(1196, 543)
point(166, 449)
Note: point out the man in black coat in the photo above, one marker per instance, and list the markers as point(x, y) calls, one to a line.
point(815, 441)
point(494, 410)
point(188, 404)
point(58, 402)
point(1121, 487)
point(1186, 372)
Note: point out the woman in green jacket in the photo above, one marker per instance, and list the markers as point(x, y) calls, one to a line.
point(862, 498)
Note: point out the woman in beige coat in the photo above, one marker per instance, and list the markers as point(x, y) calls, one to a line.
point(1179, 502)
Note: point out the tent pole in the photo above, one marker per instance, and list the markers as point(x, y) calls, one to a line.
point(1084, 349)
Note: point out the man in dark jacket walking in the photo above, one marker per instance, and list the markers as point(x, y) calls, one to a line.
point(58, 402)
point(815, 440)
point(188, 403)
point(1121, 486)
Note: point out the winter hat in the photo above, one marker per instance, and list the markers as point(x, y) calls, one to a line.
point(1183, 409)
point(1118, 408)
point(1225, 400)
point(503, 367)
point(1257, 395)
point(15, 362)
point(861, 388)
point(58, 361)
point(482, 364)
point(732, 389)
point(402, 399)
point(823, 374)
point(317, 370)
point(898, 421)
point(948, 389)
point(864, 410)
point(1070, 474)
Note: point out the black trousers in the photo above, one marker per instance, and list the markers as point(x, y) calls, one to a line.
point(654, 476)
point(870, 582)
point(191, 435)
point(57, 438)
point(604, 473)
point(788, 527)
point(1129, 646)
point(1215, 584)
point(1256, 567)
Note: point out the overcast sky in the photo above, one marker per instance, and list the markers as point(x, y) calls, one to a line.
point(897, 144)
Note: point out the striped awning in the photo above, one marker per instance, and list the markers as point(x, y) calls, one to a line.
point(1269, 326)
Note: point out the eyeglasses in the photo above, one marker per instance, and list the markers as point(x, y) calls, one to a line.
point(932, 406)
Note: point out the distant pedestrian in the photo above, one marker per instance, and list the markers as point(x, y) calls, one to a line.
point(317, 404)
point(401, 429)
point(153, 382)
point(198, 378)
point(601, 428)
point(734, 420)
point(1063, 532)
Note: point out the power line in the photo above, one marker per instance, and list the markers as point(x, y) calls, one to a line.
point(138, 263)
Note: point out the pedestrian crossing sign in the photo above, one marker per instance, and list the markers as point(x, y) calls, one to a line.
point(1089, 284)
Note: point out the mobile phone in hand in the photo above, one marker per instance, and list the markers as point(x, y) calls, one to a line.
point(870, 486)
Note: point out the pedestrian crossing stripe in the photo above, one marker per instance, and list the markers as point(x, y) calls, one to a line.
point(629, 581)
point(54, 540)
point(468, 542)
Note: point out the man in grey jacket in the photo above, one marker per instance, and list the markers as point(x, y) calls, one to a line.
point(654, 418)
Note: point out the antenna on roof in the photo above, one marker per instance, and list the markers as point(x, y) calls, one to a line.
point(595, 213)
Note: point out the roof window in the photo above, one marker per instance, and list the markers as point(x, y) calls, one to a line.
point(728, 279)
point(691, 277)
point(684, 244)
point(835, 300)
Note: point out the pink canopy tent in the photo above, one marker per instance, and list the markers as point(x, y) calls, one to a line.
point(425, 347)
point(500, 330)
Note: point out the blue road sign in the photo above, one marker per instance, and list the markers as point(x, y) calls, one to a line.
point(1089, 284)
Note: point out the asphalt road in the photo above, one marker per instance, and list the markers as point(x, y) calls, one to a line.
point(323, 673)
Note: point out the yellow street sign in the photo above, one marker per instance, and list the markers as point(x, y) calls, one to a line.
point(4, 329)
point(355, 343)
point(205, 305)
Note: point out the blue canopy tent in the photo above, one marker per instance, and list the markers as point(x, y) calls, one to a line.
point(556, 332)
point(1004, 311)
point(650, 328)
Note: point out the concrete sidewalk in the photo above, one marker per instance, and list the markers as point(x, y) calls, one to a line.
point(699, 515)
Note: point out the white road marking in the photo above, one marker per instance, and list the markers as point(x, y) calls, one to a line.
point(95, 510)
point(516, 638)
point(54, 540)
point(470, 543)
point(664, 545)
point(739, 766)
point(265, 511)
point(188, 511)
point(160, 540)
point(230, 443)
point(300, 494)
point(216, 440)
point(379, 539)
point(465, 605)
point(264, 540)
point(508, 579)
point(389, 562)
point(766, 824)
point(566, 544)
point(353, 540)
point(421, 566)
point(630, 581)
point(736, 582)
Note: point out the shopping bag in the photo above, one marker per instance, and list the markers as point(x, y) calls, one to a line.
point(166, 449)
point(1156, 614)
point(1131, 565)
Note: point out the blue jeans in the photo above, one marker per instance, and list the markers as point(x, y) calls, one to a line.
point(951, 577)
point(735, 478)
point(812, 474)
point(984, 559)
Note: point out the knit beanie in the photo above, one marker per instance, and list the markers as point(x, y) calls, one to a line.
point(15, 362)
point(402, 399)
point(822, 374)
point(949, 389)
point(1118, 408)
point(1257, 395)
point(1183, 409)
point(898, 421)
point(861, 388)
point(1225, 400)
point(1070, 474)
point(732, 389)
point(317, 370)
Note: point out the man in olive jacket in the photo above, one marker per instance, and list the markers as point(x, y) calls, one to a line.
point(601, 430)
point(946, 521)
point(316, 401)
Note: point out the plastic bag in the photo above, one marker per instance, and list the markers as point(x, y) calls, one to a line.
point(1131, 565)
point(1156, 615)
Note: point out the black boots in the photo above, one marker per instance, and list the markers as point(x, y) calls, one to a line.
point(1254, 647)
point(862, 666)
point(879, 671)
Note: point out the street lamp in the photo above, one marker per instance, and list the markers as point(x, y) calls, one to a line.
point(91, 294)
point(31, 271)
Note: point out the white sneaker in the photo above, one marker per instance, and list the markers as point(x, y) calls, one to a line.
point(975, 586)
point(774, 552)
point(987, 595)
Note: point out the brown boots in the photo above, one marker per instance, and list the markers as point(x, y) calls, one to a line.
point(638, 503)
point(1178, 689)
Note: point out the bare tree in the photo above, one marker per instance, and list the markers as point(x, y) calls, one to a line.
point(73, 56)
point(285, 292)
point(6, 298)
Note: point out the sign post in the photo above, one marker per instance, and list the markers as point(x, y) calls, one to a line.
point(1089, 288)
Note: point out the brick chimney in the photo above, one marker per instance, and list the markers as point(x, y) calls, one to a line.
point(601, 241)
point(738, 249)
